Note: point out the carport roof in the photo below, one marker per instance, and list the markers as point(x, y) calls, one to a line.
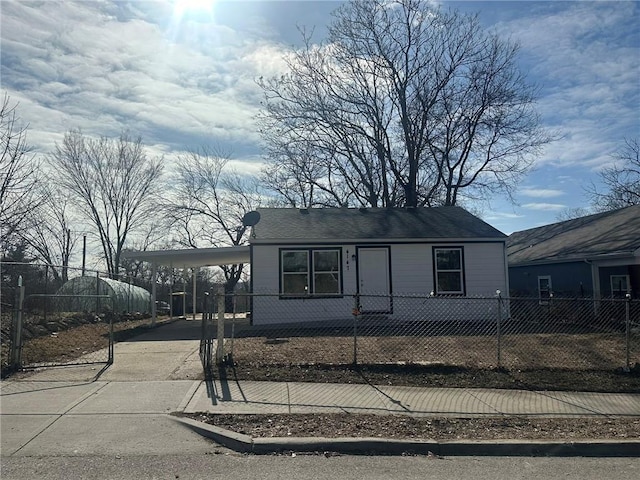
point(193, 257)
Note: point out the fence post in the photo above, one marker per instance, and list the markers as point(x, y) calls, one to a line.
point(16, 347)
point(627, 367)
point(233, 323)
point(355, 312)
point(111, 340)
point(220, 335)
point(98, 304)
point(498, 332)
point(46, 290)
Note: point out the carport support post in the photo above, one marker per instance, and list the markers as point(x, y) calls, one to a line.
point(220, 335)
point(194, 275)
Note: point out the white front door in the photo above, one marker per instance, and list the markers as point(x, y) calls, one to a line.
point(374, 281)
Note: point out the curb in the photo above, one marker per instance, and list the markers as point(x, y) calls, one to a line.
point(384, 446)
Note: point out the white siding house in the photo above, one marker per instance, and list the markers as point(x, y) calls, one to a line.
point(308, 265)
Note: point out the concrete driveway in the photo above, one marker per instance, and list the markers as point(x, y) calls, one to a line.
point(167, 352)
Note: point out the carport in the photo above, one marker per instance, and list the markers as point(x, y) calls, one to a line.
point(188, 258)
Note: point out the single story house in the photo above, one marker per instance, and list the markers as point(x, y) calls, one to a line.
point(309, 264)
point(596, 256)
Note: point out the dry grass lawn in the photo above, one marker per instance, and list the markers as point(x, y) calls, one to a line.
point(578, 351)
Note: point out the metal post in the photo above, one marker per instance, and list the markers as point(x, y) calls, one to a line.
point(98, 293)
point(220, 335)
point(498, 332)
point(628, 334)
point(356, 312)
point(17, 341)
point(154, 293)
point(111, 340)
point(84, 253)
point(184, 292)
point(171, 292)
point(194, 276)
point(46, 290)
point(233, 323)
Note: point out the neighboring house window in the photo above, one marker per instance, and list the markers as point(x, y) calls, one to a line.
point(449, 271)
point(310, 272)
point(544, 289)
point(619, 285)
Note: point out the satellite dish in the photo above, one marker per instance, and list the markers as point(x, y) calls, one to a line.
point(250, 219)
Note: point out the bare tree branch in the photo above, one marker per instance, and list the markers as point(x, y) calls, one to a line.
point(115, 184)
point(405, 104)
point(209, 202)
point(18, 175)
point(621, 180)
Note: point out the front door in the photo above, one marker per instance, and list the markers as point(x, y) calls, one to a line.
point(374, 281)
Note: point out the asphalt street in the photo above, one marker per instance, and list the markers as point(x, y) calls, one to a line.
point(313, 467)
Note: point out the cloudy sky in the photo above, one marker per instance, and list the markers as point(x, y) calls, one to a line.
point(181, 73)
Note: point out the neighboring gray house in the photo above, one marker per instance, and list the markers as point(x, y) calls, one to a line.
point(313, 261)
point(594, 256)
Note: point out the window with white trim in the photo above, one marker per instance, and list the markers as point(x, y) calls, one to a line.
point(310, 272)
point(544, 289)
point(619, 285)
point(449, 271)
point(294, 266)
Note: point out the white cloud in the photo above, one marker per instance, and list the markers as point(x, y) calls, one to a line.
point(541, 192)
point(544, 206)
point(93, 66)
point(585, 57)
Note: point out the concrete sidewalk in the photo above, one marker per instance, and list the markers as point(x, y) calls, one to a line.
point(110, 417)
point(291, 397)
point(126, 409)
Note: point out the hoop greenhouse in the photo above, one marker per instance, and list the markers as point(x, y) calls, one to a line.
point(83, 294)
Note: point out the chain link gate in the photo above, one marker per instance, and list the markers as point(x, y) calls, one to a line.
point(39, 318)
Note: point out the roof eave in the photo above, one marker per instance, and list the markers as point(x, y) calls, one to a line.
point(577, 258)
point(314, 241)
point(194, 257)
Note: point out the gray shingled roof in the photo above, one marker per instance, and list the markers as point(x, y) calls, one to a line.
point(288, 225)
point(609, 233)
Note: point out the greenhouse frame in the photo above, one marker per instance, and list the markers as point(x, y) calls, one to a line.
point(81, 294)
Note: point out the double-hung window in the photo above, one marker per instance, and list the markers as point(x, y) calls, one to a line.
point(310, 272)
point(619, 285)
point(449, 271)
point(545, 291)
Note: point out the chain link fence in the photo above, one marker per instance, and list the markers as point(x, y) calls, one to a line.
point(514, 333)
point(51, 320)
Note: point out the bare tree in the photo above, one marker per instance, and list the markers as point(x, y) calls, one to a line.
point(621, 180)
point(18, 175)
point(51, 234)
point(571, 213)
point(405, 104)
point(114, 183)
point(210, 201)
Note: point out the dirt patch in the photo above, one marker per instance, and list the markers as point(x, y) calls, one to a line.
point(432, 428)
point(521, 351)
